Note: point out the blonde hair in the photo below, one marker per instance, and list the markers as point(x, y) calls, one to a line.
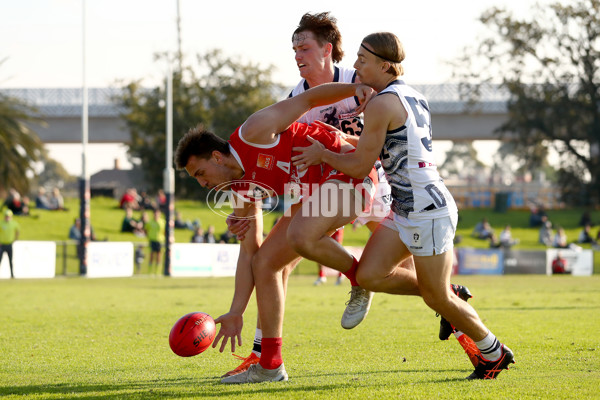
point(387, 47)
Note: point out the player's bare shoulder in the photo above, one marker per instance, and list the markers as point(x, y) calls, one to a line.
point(387, 107)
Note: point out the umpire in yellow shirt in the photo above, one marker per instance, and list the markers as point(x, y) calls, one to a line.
point(9, 232)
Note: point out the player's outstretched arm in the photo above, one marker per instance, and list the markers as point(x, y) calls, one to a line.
point(232, 322)
point(263, 126)
point(357, 164)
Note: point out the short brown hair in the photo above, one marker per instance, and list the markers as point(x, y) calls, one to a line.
point(324, 27)
point(200, 143)
point(388, 48)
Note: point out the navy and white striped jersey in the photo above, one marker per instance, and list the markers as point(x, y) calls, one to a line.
point(418, 192)
point(342, 114)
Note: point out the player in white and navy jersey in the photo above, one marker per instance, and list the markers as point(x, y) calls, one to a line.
point(423, 219)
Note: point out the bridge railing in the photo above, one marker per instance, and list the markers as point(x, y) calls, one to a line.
point(66, 102)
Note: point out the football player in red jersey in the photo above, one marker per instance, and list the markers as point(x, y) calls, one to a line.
point(259, 155)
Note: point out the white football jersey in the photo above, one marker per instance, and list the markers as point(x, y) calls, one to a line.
point(342, 114)
point(418, 192)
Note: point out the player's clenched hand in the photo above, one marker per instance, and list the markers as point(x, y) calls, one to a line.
point(310, 155)
point(231, 327)
point(237, 226)
point(364, 93)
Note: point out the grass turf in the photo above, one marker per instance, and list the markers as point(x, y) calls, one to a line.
point(75, 338)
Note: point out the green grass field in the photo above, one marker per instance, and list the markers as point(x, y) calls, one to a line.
point(75, 338)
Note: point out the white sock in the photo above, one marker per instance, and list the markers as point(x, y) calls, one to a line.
point(257, 348)
point(458, 334)
point(490, 347)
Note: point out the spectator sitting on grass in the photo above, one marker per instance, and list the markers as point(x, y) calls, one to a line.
point(559, 265)
point(483, 230)
point(585, 236)
point(56, 201)
point(41, 200)
point(145, 202)
point(545, 237)
point(209, 236)
point(494, 242)
point(75, 231)
point(179, 223)
point(132, 225)
point(130, 199)
point(16, 204)
point(537, 216)
point(198, 236)
point(506, 239)
point(560, 239)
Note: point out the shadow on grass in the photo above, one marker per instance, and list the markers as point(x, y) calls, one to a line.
point(201, 387)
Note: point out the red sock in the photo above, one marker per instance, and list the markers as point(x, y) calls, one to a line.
point(351, 273)
point(270, 356)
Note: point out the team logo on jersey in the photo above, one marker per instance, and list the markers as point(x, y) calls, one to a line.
point(265, 161)
point(330, 118)
point(426, 164)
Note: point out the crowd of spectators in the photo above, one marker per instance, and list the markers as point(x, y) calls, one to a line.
point(144, 205)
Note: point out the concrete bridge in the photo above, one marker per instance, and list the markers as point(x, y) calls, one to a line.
point(61, 109)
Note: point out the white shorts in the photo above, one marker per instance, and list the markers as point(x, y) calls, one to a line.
point(424, 237)
point(382, 201)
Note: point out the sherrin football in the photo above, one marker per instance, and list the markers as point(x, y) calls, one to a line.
point(192, 334)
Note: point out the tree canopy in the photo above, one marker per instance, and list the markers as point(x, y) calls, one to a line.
point(20, 146)
point(550, 64)
point(220, 97)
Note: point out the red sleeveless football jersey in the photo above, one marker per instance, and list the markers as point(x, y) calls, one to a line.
point(268, 168)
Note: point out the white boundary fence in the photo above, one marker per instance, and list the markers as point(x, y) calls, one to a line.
point(37, 259)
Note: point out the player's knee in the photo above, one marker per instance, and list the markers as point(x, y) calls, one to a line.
point(435, 300)
point(365, 279)
point(264, 264)
point(297, 240)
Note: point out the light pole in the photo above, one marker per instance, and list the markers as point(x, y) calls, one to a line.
point(84, 181)
point(169, 174)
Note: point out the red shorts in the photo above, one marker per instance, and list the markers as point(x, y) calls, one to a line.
point(364, 188)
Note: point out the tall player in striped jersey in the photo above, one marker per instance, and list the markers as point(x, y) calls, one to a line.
point(424, 215)
point(317, 44)
point(257, 160)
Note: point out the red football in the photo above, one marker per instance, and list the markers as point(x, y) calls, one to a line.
point(192, 334)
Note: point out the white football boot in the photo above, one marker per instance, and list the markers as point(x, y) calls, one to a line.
point(256, 374)
point(357, 307)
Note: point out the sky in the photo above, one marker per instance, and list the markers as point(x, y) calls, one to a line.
point(42, 46)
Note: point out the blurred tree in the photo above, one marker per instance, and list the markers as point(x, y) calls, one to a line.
point(460, 159)
point(52, 173)
point(221, 97)
point(20, 146)
point(550, 65)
